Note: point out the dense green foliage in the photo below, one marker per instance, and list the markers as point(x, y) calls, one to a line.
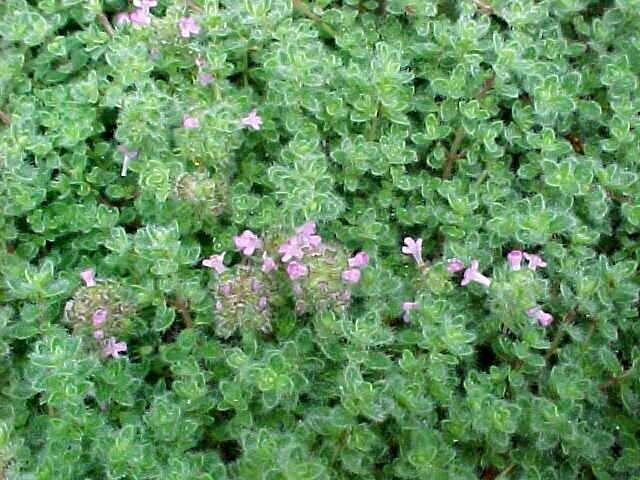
point(129, 145)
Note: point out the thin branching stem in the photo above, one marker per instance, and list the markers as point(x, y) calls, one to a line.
point(181, 305)
point(303, 8)
point(104, 21)
point(454, 151)
point(5, 117)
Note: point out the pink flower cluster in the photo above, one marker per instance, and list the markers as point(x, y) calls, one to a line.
point(307, 242)
point(297, 255)
point(252, 120)
point(472, 274)
point(140, 16)
point(110, 347)
point(247, 243)
point(204, 77)
point(188, 26)
point(515, 257)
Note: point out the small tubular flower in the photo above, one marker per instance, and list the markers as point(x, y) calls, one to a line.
point(247, 242)
point(454, 265)
point(545, 319)
point(291, 249)
point(88, 277)
point(351, 276)
point(414, 248)
point(215, 262)
point(140, 16)
point(253, 120)
point(534, 261)
point(121, 18)
point(359, 260)
point(297, 270)
point(472, 274)
point(268, 263)
point(188, 26)
point(514, 257)
point(128, 155)
point(113, 348)
point(190, 122)
point(99, 317)
point(205, 78)
point(406, 307)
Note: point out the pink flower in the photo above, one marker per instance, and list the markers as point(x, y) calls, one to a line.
point(121, 18)
point(98, 334)
point(247, 242)
point(215, 262)
point(256, 285)
point(534, 261)
point(88, 277)
point(472, 274)
point(205, 78)
point(297, 270)
point(454, 265)
point(145, 4)
point(140, 17)
point(128, 155)
point(351, 276)
point(414, 248)
point(359, 260)
point(262, 303)
point(307, 229)
point(99, 317)
point(190, 122)
point(545, 319)
point(310, 241)
point(112, 348)
point(200, 62)
point(291, 249)
point(188, 26)
point(514, 257)
point(268, 263)
point(406, 307)
point(225, 289)
point(253, 120)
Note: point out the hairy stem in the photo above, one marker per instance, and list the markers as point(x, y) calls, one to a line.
point(181, 305)
point(373, 126)
point(569, 316)
point(505, 472)
point(615, 380)
point(5, 117)
point(104, 21)
point(193, 6)
point(245, 68)
point(454, 153)
point(303, 9)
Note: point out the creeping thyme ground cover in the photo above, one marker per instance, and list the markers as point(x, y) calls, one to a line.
point(339, 239)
